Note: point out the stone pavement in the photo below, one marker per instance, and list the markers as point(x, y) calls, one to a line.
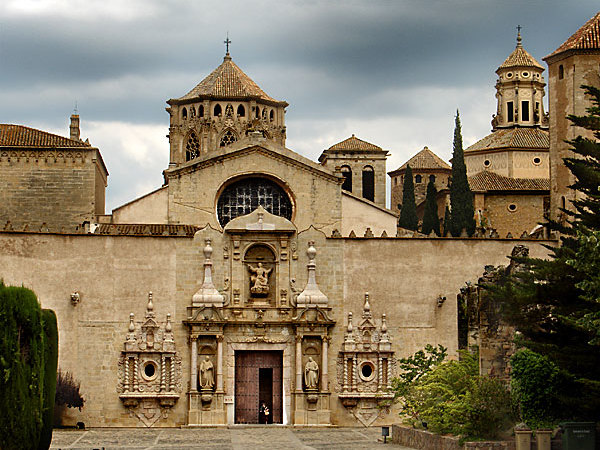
point(234, 438)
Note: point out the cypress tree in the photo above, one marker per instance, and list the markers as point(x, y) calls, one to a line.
point(431, 221)
point(51, 365)
point(461, 197)
point(548, 302)
point(447, 220)
point(408, 213)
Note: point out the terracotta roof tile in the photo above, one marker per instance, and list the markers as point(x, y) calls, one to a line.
point(21, 136)
point(586, 38)
point(520, 58)
point(228, 81)
point(426, 159)
point(491, 181)
point(353, 143)
point(146, 229)
point(518, 137)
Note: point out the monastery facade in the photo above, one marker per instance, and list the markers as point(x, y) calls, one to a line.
point(253, 275)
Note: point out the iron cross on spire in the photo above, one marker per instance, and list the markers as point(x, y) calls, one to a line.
point(227, 42)
point(519, 29)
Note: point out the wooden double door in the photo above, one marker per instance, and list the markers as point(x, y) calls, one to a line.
point(258, 379)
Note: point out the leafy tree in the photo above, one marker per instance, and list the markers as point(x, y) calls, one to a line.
point(417, 365)
point(461, 197)
point(553, 303)
point(431, 221)
point(408, 213)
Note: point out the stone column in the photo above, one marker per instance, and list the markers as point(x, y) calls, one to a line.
point(194, 364)
point(298, 363)
point(324, 373)
point(220, 363)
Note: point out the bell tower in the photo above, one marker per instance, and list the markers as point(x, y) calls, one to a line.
point(520, 91)
point(223, 108)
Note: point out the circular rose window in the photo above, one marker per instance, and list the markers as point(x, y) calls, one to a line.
point(244, 196)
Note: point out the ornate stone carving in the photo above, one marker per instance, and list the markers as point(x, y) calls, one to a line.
point(311, 374)
point(207, 374)
point(311, 295)
point(365, 366)
point(207, 294)
point(149, 368)
point(259, 279)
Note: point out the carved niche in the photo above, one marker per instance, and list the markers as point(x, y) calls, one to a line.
point(365, 367)
point(149, 368)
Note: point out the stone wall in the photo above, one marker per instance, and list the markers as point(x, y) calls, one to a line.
point(528, 212)
point(62, 189)
point(406, 278)
point(426, 440)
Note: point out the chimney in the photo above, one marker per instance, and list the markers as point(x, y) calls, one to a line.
point(75, 127)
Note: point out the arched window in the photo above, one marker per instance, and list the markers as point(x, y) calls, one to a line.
point(192, 112)
point(217, 111)
point(432, 178)
point(184, 113)
point(201, 111)
point(241, 111)
point(418, 179)
point(192, 147)
point(347, 174)
point(256, 112)
point(229, 110)
point(244, 196)
point(228, 138)
point(368, 183)
point(272, 116)
point(264, 113)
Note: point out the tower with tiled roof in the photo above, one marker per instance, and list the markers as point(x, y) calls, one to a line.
point(363, 166)
point(425, 166)
point(518, 144)
point(223, 108)
point(576, 62)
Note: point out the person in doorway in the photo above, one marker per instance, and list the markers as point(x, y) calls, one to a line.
point(263, 413)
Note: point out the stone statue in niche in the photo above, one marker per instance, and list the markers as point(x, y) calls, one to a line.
point(311, 374)
point(259, 279)
point(207, 376)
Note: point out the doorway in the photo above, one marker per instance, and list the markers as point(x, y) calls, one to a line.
point(258, 378)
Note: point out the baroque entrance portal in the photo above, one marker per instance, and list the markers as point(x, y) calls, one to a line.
point(258, 378)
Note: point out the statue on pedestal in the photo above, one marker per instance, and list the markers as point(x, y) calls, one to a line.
point(207, 377)
point(311, 374)
point(259, 279)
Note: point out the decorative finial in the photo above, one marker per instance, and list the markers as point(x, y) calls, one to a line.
point(131, 324)
point(150, 306)
point(227, 42)
point(168, 326)
point(349, 329)
point(367, 306)
point(519, 36)
point(383, 324)
point(75, 111)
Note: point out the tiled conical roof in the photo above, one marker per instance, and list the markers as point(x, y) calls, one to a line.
point(21, 136)
point(425, 159)
point(521, 137)
point(520, 58)
point(354, 143)
point(228, 81)
point(586, 38)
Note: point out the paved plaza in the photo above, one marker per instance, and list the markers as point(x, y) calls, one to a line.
point(252, 437)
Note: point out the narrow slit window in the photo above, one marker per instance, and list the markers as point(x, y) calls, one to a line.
point(525, 110)
point(510, 111)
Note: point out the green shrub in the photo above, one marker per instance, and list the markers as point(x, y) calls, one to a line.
point(51, 364)
point(21, 368)
point(536, 383)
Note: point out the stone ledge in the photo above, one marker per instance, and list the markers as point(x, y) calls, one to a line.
point(422, 439)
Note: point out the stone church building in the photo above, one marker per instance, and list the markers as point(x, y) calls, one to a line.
point(253, 278)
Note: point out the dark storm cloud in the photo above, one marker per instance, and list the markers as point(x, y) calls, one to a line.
point(344, 66)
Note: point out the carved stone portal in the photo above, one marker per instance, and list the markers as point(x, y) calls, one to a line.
point(149, 369)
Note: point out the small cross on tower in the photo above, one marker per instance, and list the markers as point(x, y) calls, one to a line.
point(227, 42)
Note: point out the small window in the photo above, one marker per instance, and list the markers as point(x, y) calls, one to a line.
point(395, 181)
point(228, 138)
point(510, 111)
point(418, 179)
point(256, 112)
point(367, 371)
point(525, 110)
point(561, 72)
point(537, 160)
point(509, 75)
point(241, 111)
point(525, 74)
point(184, 113)
point(201, 111)
point(368, 183)
point(512, 207)
point(432, 178)
point(487, 163)
point(217, 111)
point(347, 174)
point(229, 111)
point(271, 116)
point(564, 203)
point(264, 113)
point(192, 112)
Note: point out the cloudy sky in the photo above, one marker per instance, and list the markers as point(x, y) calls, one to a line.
point(392, 72)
